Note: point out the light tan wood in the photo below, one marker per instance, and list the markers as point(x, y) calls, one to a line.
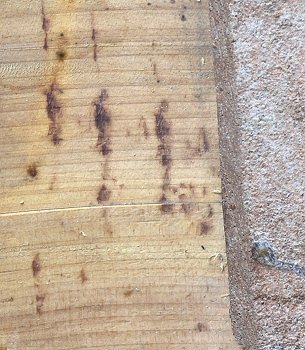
point(111, 231)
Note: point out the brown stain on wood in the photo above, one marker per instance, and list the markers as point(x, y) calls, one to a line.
point(45, 26)
point(51, 186)
point(163, 130)
point(54, 112)
point(155, 72)
point(166, 206)
point(204, 228)
point(128, 292)
point(186, 206)
point(162, 125)
point(83, 276)
point(103, 195)
point(93, 37)
point(7, 300)
point(204, 191)
point(210, 211)
point(36, 265)
point(32, 170)
point(201, 146)
point(205, 141)
point(61, 54)
point(201, 327)
point(40, 298)
point(143, 126)
point(103, 124)
point(192, 189)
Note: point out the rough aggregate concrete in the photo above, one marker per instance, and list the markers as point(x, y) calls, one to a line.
point(259, 51)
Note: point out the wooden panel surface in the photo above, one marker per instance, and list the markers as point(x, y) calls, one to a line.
point(111, 232)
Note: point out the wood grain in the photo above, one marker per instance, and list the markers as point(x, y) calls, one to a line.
point(111, 232)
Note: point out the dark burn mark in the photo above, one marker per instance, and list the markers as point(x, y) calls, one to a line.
point(164, 153)
point(36, 265)
point(61, 54)
point(32, 170)
point(103, 123)
point(83, 276)
point(183, 18)
point(166, 207)
point(53, 111)
point(143, 126)
point(204, 228)
point(45, 27)
point(201, 327)
point(162, 126)
point(39, 302)
point(103, 195)
point(93, 37)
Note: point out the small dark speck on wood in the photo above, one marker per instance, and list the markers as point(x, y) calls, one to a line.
point(201, 327)
point(103, 123)
point(103, 195)
point(45, 27)
point(53, 111)
point(39, 302)
point(93, 37)
point(36, 265)
point(32, 170)
point(83, 276)
point(162, 125)
point(166, 206)
point(204, 228)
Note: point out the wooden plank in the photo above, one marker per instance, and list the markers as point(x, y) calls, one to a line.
point(115, 277)
point(139, 70)
point(111, 232)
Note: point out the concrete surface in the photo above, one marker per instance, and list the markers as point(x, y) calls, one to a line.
point(259, 58)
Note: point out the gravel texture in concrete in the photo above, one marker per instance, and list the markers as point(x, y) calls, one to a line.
point(259, 48)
